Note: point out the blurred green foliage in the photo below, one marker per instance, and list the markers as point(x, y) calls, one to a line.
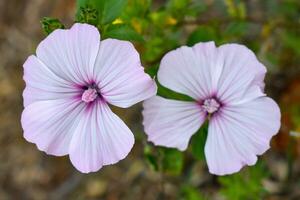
point(198, 142)
point(246, 185)
point(191, 193)
point(168, 161)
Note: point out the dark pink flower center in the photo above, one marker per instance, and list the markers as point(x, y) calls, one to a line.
point(211, 105)
point(89, 95)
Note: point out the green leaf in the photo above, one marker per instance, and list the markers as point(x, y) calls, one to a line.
point(198, 142)
point(170, 94)
point(122, 32)
point(137, 8)
point(166, 160)
point(244, 184)
point(153, 49)
point(50, 24)
point(108, 10)
point(190, 193)
point(172, 161)
point(112, 9)
point(152, 71)
point(202, 34)
point(151, 158)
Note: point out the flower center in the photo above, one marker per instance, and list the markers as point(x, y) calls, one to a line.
point(211, 105)
point(89, 95)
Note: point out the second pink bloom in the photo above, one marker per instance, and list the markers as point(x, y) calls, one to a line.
point(227, 84)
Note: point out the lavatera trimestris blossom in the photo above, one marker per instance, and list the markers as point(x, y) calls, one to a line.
point(227, 85)
point(69, 85)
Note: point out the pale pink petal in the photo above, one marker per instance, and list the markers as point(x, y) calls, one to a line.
point(120, 76)
point(50, 124)
point(43, 84)
point(237, 134)
point(101, 138)
point(171, 123)
point(240, 71)
point(71, 54)
point(188, 70)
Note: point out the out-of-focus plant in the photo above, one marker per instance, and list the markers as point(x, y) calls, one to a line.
point(191, 193)
point(245, 185)
point(166, 160)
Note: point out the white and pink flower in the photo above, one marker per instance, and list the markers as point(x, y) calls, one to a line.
point(227, 85)
point(69, 85)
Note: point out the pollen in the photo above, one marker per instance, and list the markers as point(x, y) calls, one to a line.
point(89, 95)
point(211, 105)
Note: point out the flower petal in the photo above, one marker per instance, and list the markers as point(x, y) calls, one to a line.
point(43, 84)
point(171, 123)
point(50, 124)
point(188, 70)
point(240, 71)
point(121, 77)
point(71, 54)
point(239, 133)
point(101, 138)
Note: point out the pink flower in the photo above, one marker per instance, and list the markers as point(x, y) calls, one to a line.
point(69, 84)
point(227, 85)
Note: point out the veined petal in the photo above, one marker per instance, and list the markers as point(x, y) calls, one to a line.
point(171, 123)
point(241, 70)
point(43, 84)
point(120, 76)
point(101, 138)
point(50, 124)
point(239, 133)
point(188, 70)
point(71, 54)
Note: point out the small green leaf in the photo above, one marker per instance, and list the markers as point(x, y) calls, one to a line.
point(198, 142)
point(112, 9)
point(248, 181)
point(172, 162)
point(122, 32)
point(166, 160)
point(152, 70)
point(153, 49)
point(50, 24)
point(151, 158)
point(137, 8)
point(190, 193)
